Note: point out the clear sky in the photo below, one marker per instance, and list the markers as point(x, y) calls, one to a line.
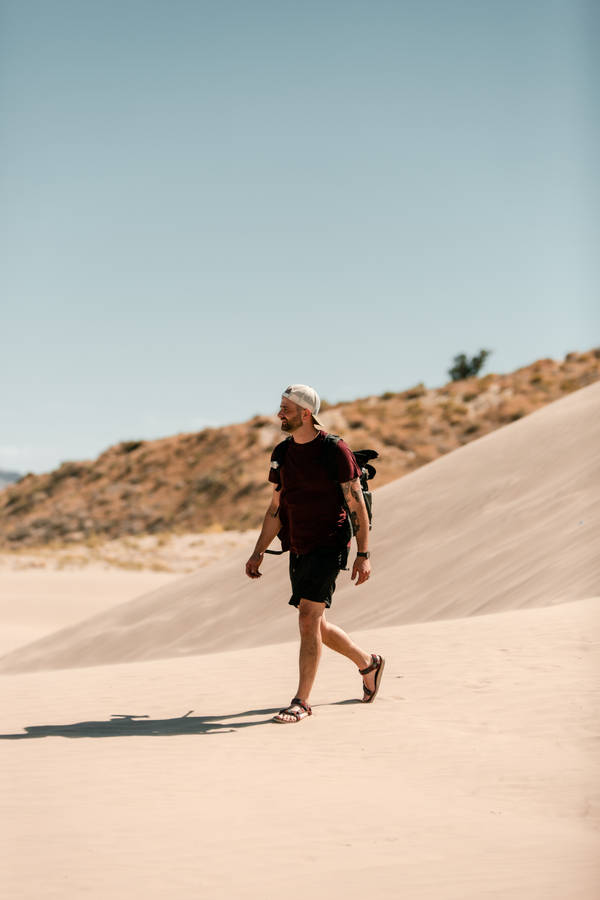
point(202, 202)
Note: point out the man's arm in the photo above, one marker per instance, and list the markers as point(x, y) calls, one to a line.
point(270, 529)
point(359, 518)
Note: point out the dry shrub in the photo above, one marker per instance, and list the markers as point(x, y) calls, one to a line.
point(413, 393)
point(414, 409)
point(568, 385)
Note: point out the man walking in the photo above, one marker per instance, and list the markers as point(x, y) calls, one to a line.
point(310, 511)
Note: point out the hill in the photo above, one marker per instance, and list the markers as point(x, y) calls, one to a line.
point(216, 478)
point(504, 523)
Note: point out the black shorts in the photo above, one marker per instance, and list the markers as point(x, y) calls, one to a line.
point(313, 575)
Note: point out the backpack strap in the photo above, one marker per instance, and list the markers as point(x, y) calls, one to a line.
point(362, 458)
point(277, 458)
point(278, 455)
point(329, 455)
point(280, 449)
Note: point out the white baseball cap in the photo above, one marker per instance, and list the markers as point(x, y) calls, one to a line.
point(306, 397)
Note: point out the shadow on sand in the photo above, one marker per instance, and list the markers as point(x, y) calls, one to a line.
point(122, 725)
point(126, 725)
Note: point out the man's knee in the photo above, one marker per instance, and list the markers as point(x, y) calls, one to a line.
point(310, 616)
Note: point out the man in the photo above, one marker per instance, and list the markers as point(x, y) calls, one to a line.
point(310, 511)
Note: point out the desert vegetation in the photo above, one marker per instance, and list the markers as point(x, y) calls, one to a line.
point(217, 478)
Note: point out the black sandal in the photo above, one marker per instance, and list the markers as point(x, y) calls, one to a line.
point(296, 714)
point(377, 665)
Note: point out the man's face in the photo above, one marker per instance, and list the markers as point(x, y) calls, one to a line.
point(290, 415)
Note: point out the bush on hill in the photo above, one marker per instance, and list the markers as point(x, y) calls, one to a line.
point(465, 368)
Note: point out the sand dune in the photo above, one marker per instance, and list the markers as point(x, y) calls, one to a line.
point(507, 522)
point(474, 775)
point(51, 588)
point(35, 603)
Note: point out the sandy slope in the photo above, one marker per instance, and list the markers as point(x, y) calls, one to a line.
point(37, 602)
point(506, 522)
point(474, 775)
point(51, 588)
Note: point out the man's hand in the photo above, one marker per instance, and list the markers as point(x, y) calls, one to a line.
point(271, 527)
point(253, 565)
point(362, 569)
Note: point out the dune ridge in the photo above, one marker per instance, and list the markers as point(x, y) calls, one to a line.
point(505, 522)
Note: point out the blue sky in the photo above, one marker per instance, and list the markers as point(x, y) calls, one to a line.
point(203, 202)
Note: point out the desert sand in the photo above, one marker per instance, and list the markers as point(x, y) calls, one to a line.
point(52, 587)
point(473, 775)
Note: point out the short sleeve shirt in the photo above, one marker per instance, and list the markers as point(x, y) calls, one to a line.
point(311, 506)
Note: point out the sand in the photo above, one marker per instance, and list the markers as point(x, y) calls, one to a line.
point(473, 775)
point(37, 602)
point(54, 587)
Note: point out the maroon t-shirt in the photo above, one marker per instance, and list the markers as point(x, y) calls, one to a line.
point(311, 509)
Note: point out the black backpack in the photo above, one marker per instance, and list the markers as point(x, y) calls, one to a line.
point(329, 459)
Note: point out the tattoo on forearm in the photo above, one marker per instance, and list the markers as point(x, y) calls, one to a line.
point(352, 497)
point(351, 489)
point(274, 513)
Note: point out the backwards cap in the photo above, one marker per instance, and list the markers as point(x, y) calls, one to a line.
point(306, 397)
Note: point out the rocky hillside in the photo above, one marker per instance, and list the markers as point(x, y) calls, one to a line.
point(216, 478)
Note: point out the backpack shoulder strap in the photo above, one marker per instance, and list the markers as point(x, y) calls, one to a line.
point(330, 455)
point(278, 454)
point(277, 458)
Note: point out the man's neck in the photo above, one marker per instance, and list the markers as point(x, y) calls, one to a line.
point(305, 434)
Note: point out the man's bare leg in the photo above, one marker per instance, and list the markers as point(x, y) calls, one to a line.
point(311, 645)
point(336, 639)
point(315, 631)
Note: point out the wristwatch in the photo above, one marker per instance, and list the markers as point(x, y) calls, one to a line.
point(366, 554)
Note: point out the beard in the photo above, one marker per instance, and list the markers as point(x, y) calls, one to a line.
point(292, 423)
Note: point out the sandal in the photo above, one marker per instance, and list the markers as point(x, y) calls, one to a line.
point(377, 664)
point(292, 710)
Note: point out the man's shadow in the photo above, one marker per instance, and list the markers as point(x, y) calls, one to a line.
point(127, 725)
point(122, 724)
